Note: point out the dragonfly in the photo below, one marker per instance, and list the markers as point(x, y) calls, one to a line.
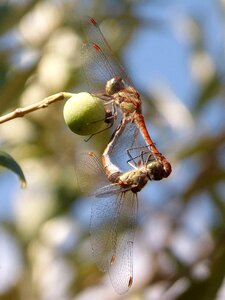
point(102, 69)
point(114, 212)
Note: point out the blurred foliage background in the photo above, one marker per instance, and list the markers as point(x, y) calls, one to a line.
point(174, 53)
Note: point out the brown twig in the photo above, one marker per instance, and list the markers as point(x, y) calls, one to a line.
point(20, 112)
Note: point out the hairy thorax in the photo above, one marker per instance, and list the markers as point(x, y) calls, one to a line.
point(134, 180)
point(128, 100)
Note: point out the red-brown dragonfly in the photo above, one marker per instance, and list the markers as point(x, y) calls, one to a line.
point(103, 70)
point(114, 211)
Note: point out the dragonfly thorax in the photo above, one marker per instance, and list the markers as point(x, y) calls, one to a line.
point(114, 85)
point(134, 180)
point(128, 100)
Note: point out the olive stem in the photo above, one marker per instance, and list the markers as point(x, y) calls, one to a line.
point(20, 112)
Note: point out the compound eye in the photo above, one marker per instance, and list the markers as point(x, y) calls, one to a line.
point(114, 85)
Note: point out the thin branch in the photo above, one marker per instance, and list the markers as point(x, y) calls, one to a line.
point(20, 112)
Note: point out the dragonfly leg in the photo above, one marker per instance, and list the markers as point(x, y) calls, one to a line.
point(141, 155)
point(131, 159)
point(93, 134)
point(111, 115)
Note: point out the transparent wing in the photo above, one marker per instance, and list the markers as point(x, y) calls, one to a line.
point(99, 63)
point(89, 173)
point(103, 230)
point(110, 190)
point(91, 178)
point(121, 268)
point(105, 207)
point(112, 224)
point(96, 66)
point(112, 228)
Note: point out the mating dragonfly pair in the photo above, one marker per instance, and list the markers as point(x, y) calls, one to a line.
point(114, 209)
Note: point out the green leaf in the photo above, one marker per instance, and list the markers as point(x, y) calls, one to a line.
point(9, 162)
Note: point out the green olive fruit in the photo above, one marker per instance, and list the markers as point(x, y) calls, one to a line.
point(84, 114)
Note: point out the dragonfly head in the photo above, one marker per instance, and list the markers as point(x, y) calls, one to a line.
point(155, 171)
point(114, 85)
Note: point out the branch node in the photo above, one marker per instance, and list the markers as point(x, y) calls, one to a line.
point(18, 112)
